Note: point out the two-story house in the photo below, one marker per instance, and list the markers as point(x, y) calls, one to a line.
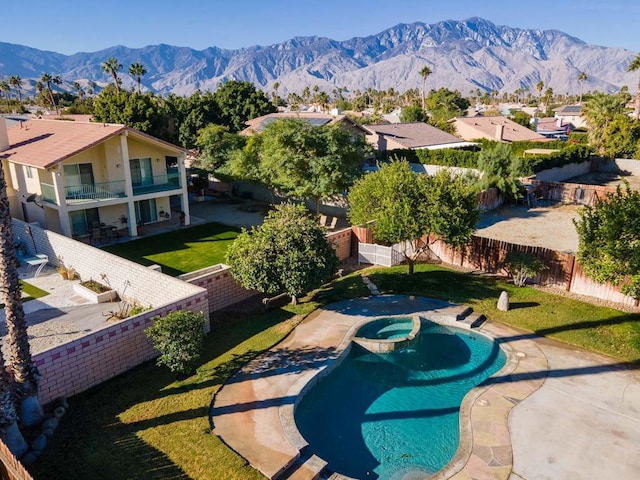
point(73, 176)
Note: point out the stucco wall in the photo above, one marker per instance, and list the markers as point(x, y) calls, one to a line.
point(560, 174)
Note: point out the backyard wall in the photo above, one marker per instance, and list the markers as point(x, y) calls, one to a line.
point(78, 365)
point(222, 289)
point(560, 174)
point(620, 165)
point(579, 193)
point(341, 241)
point(88, 361)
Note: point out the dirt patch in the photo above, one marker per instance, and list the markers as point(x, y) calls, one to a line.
point(548, 226)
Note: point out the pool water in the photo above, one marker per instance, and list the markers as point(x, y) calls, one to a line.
point(388, 415)
point(386, 328)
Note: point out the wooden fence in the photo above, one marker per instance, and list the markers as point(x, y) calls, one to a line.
point(578, 193)
point(488, 254)
point(10, 467)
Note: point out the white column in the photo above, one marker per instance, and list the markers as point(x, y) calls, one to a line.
point(61, 200)
point(182, 171)
point(128, 186)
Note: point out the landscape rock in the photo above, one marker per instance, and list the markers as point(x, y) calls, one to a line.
point(503, 302)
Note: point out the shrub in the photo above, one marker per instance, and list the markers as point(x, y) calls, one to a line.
point(179, 338)
point(522, 266)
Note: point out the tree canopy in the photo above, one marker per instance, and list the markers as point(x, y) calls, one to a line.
point(302, 160)
point(609, 240)
point(407, 207)
point(240, 101)
point(289, 253)
point(216, 144)
point(501, 169)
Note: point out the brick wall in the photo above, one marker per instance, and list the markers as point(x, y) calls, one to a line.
point(148, 287)
point(80, 364)
point(341, 241)
point(222, 289)
point(88, 361)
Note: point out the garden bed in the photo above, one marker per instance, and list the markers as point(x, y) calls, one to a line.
point(95, 292)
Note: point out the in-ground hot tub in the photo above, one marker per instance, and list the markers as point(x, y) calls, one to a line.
point(388, 334)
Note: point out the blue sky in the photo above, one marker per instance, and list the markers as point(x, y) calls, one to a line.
point(70, 26)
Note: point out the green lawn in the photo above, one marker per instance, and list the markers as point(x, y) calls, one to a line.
point(145, 425)
point(180, 251)
point(29, 292)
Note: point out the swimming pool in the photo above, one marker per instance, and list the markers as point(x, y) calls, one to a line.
point(388, 415)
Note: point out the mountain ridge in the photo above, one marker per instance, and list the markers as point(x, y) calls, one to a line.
point(463, 55)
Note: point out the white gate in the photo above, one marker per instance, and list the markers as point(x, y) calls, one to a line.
point(379, 254)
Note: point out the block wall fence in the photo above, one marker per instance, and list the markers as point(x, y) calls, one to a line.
point(83, 363)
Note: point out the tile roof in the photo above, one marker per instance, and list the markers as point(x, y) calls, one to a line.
point(414, 135)
point(485, 127)
point(45, 143)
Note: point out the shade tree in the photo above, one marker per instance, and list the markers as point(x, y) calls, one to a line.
point(289, 253)
point(414, 209)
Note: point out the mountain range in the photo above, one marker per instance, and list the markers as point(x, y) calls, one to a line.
point(464, 55)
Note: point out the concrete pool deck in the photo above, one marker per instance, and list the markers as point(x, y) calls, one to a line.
point(552, 412)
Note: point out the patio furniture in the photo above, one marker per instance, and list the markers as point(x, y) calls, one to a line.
point(37, 261)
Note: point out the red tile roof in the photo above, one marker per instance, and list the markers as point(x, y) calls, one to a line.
point(45, 143)
point(414, 135)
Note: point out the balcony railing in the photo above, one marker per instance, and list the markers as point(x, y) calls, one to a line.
point(94, 191)
point(48, 193)
point(157, 183)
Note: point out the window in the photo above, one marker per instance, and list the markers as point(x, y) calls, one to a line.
point(141, 173)
point(83, 220)
point(28, 171)
point(78, 174)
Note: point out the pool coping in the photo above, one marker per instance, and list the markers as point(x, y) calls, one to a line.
point(485, 443)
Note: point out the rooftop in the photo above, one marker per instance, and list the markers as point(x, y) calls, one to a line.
point(45, 143)
point(414, 135)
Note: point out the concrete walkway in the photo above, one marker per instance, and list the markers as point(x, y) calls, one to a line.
point(551, 413)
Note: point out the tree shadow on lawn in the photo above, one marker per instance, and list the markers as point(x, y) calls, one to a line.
point(94, 439)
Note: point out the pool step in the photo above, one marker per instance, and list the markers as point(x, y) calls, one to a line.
point(307, 467)
point(474, 320)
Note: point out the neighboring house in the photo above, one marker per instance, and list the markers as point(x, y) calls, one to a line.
point(494, 128)
point(552, 127)
point(571, 114)
point(73, 176)
point(256, 125)
point(414, 136)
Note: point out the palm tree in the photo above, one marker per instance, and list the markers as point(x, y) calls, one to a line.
point(276, 99)
point(46, 80)
point(112, 67)
point(539, 88)
point(136, 70)
point(633, 66)
point(424, 73)
point(599, 110)
point(24, 370)
point(78, 88)
point(582, 78)
point(9, 432)
point(16, 82)
point(6, 88)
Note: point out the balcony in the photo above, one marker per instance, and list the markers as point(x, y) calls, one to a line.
point(157, 183)
point(91, 192)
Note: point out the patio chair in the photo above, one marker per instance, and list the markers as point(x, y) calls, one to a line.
point(334, 222)
point(96, 235)
point(323, 220)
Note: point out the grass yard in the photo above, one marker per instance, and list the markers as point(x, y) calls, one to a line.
point(29, 292)
point(145, 425)
point(180, 251)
